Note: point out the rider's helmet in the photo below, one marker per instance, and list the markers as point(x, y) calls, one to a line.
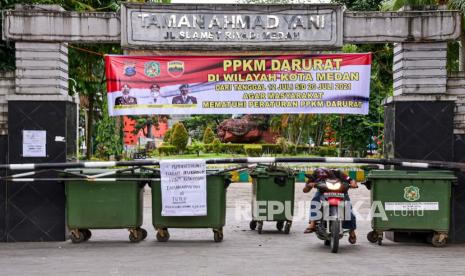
point(322, 173)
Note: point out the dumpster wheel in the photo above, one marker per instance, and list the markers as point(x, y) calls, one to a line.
point(372, 236)
point(259, 226)
point(137, 234)
point(87, 234)
point(253, 224)
point(163, 235)
point(287, 228)
point(77, 236)
point(439, 239)
point(218, 235)
point(280, 225)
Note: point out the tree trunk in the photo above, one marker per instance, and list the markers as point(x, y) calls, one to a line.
point(149, 131)
point(462, 53)
point(90, 125)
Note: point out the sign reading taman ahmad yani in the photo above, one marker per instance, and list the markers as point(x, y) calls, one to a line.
point(274, 27)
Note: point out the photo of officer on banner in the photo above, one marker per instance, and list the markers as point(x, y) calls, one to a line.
point(184, 98)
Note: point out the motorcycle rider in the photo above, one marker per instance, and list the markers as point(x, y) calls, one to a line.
point(321, 174)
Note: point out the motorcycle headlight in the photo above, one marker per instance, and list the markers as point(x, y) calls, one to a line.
point(333, 186)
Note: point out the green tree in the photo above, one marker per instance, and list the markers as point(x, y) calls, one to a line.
point(167, 137)
point(216, 146)
point(179, 137)
point(108, 141)
point(197, 147)
point(196, 124)
point(208, 136)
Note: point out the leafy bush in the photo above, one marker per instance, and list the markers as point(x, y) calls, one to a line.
point(108, 141)
point(253, 150)
point(271, 148)
point(282, 144)
point(291, 149)
point(303, 148)
point(197, 147)
point(216, 145)
point(179, 137)
point(326, 151)
point(167, 137)
point(233, 148)
point(166, 149)
point(208, 136)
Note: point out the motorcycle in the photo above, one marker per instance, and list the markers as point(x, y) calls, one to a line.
point(329, 228)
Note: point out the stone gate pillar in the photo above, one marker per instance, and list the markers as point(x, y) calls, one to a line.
point(35, 211)
point(419, 118)
point(7, 86)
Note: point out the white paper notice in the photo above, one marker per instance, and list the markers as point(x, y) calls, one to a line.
point(34, 143)
point(183, 187)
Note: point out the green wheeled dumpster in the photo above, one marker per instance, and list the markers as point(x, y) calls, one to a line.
point(411, 201)
point(104, 204)
point(217, 184)
point(273, 197)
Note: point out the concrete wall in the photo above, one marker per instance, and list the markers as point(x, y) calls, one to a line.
point(41, 68)
point(50, 23)
point(414, 26)
point(420, 68)
point(7, 87)
point(105, 27)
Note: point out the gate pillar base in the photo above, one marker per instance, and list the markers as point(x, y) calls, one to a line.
point(35, 211)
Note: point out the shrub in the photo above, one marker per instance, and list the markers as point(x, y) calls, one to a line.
point(253, 150)
point(291, 149)
point(271, 148)
point(167, 137)
point(197, 147)
point(233, 148)
point(302, 148)
point(166, 149)
point(216, 145)
point(208, 136)
point(179, 137)
point(282, 144)
point(326, 151)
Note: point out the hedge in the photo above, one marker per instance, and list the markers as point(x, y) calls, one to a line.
point(326, 151)
point(166, 149)
point(233, 148)
point(271, 148)
point(253, 150)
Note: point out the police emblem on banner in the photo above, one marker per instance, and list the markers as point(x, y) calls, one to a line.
point(176, 68)
point(152, 69)
point(412, 193)
point(129, 69)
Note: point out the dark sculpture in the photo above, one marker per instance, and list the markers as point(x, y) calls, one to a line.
point(248, 128)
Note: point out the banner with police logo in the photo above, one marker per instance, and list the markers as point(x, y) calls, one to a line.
point(333, 83)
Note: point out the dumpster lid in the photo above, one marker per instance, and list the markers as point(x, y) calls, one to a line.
point(267, 170)
point(402, 174)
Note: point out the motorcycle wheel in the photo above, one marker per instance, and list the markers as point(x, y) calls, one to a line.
point(335, 225)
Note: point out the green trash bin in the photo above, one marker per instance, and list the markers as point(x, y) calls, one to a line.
point(273, 197)
point(104, 205)
point(217, 184)
point(413, 201)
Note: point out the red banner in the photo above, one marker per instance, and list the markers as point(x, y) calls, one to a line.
point(336, 83)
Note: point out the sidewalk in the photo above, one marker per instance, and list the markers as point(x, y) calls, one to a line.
point(243, 252)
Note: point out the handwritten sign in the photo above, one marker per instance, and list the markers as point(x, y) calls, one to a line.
point(183, 187)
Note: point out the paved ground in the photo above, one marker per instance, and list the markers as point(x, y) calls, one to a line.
point(193, 252)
